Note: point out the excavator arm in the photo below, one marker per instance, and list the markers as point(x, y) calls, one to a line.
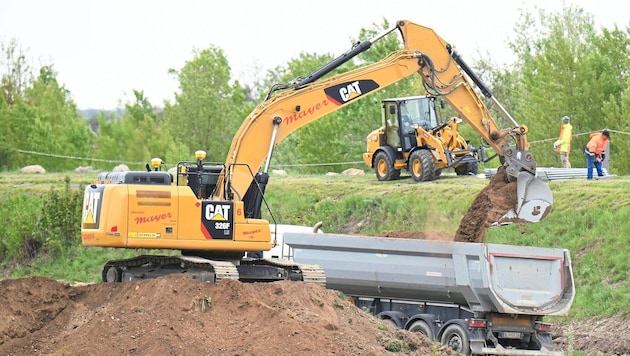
point(213, 212)
point(443, 72)
point(276, 118)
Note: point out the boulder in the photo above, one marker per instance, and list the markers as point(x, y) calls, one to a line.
point(121, 168)
point(36, 168)
point(353, 172)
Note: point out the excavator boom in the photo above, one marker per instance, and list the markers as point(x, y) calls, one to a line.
point(213, 211)
point(443, 72)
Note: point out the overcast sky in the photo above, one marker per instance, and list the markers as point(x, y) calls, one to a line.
point(103, 50)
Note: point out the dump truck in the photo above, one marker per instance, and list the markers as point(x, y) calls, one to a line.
point(476, 298)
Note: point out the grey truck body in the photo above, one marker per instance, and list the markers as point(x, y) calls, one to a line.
point(510, 288)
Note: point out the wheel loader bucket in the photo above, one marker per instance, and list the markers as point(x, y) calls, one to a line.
point(534, 200)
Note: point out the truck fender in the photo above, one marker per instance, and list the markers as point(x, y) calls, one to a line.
point(423, 323)
point(395, 317)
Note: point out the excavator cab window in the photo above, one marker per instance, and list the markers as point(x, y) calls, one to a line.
point(202, 183)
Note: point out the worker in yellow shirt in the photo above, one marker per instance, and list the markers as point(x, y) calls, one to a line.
point(563, 143)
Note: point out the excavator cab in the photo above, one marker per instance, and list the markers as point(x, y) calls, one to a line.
point(200, 176)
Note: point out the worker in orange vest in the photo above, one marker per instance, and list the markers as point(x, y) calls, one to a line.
point(595, 153)
point(563, 143)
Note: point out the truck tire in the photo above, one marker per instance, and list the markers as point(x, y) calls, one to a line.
point(423, 328)
point(421, 166)
point(456, 339)
point(390, 322)
point(384, 167)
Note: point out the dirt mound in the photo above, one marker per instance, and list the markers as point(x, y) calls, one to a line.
point(176, 315)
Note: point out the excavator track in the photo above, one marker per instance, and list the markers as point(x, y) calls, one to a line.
point(147, 266)
point(313, 274)
point(306, 273)
point(274, 269)
point(206, 270)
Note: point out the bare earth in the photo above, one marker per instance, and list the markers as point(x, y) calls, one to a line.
point(176, 315)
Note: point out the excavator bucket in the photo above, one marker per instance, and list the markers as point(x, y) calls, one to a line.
point(534, 201)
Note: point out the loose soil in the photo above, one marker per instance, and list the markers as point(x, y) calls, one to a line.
point(492, 202)
point(176, 315)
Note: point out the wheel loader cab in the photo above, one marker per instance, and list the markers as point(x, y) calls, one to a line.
point(402, 116)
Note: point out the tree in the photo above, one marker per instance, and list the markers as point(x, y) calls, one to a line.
point(340, 136)
point(566, 68)
point(16, 72)
point(208, 108)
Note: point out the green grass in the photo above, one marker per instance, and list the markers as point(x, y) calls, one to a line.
point(588, 218)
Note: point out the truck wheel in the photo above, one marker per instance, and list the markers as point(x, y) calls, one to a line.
point(456, 338)
point(422, 166)
point(384, 167)
point(423, 328)
point(389, 322)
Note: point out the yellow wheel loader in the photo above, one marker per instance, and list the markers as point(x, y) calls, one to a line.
point(414, 139)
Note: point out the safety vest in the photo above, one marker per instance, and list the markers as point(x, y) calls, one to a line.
point(563, 144)
point(597, 144)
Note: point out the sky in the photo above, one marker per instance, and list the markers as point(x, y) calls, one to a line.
point(103, 50)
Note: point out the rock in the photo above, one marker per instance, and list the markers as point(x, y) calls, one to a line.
point(353, 172)
point(121, 168)
point(81, 169)
point(36, 168)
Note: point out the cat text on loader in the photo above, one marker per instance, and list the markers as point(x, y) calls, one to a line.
point(411, 126)
point(212, 212)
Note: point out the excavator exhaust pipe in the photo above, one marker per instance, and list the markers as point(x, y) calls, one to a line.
point(533, 200)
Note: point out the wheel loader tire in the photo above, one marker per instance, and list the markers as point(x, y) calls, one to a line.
point(422, 166)
point(384, 167)
point(473, 168)
point(467, 169)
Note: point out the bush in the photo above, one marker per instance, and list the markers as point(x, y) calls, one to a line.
point(59, 224)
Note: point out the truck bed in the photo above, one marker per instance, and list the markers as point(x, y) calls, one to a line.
point(485, 277)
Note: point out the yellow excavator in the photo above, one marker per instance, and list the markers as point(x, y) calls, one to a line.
point(212, 212)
